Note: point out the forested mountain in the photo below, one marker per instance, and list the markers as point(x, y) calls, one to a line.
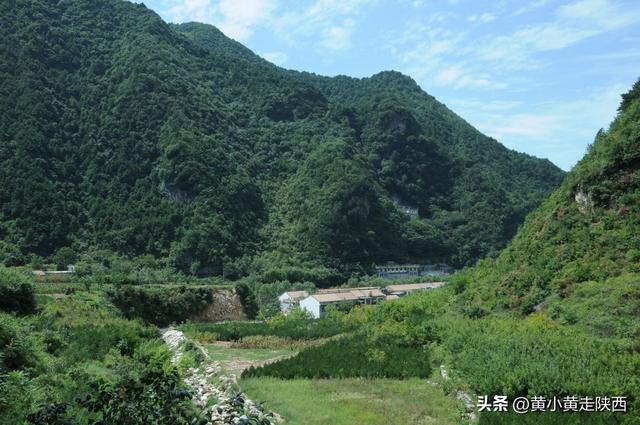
point(579, 253)
point(121, 132)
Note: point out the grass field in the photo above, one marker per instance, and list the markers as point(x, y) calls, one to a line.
point(354, 401)
point(235, 360)
point(222, 353)
point(338, 401)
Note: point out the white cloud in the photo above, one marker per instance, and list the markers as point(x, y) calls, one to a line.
point(240, 17)
point(482, 18)
point(572, 23)
point(529, 125)
point(338, 37)
point(192, 10)
point(603, 13)
point(237, 19)
point(449, 75)
point(484, 105)
point(531, 6)
point(327, 23)
point(557, 129)
point(278, 58)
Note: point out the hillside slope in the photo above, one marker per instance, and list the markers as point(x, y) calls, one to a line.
point(587, 231)
point(120, 132)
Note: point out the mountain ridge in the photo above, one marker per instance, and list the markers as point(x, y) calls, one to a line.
point(171, 150)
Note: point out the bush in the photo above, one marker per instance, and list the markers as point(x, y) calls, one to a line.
point(275, 342)
point(16, 292)
point(322, 277)
point(161, 306)
point(19, 350)
point(147, 390)
point(292, 326)
point(247, 299)
point(80, 361)
point(353, 356)
point(10, 255)
point(536, 356)
point(64, 257)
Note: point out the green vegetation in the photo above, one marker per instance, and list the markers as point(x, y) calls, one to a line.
point(123, 135)
point(79, 361)
point(556, 314)
point(354, 401)
point(586, 231)
point(232, 354)
point(351, 356)
point(16, 292)
point(161, 305)
point(147, 153)
point(294, 326)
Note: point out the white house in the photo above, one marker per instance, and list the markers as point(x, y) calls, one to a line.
point(290, 300)
point(315, 304)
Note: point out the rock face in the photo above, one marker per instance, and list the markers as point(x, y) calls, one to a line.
point(219, 396)
point(584, 201)
point(226, 305)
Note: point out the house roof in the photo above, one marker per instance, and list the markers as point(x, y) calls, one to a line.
point(296, 294)
point(400, 266)
point(414, 286)
point(338, 290)
point(347, 294)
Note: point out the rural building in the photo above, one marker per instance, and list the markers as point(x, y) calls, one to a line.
point(70, 270)
point(316, 303)
point(290, 300)
point(397, 271)
point(409, 288)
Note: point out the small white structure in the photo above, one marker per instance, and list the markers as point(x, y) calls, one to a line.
point(398, 271)
point(70, 270)
point(290, 300)
point(315, 304)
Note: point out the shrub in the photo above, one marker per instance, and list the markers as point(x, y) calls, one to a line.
point(276, 342)
point(147, 390)
point(64, 257)
point(536, 356)
point(353, 356)
point(161, 306)
point(292, 326)
point(19, 350)
point(10, 255)
point(16, 292)
point(247, 299)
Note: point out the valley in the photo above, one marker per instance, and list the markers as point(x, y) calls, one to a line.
point(192, 235)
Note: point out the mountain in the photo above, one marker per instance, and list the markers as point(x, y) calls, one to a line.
point(578, 255)
point(121, 132)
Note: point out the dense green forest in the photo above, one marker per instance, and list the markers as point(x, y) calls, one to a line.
point(122, 134)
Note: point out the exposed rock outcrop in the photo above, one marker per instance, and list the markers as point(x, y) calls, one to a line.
point(226, 305)
point(219, 396)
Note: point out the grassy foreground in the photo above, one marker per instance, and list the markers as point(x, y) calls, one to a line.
point(354, 401)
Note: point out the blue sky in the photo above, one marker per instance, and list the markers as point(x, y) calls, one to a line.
point(541, 76)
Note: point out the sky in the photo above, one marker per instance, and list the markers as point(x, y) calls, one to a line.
point(540, 76)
